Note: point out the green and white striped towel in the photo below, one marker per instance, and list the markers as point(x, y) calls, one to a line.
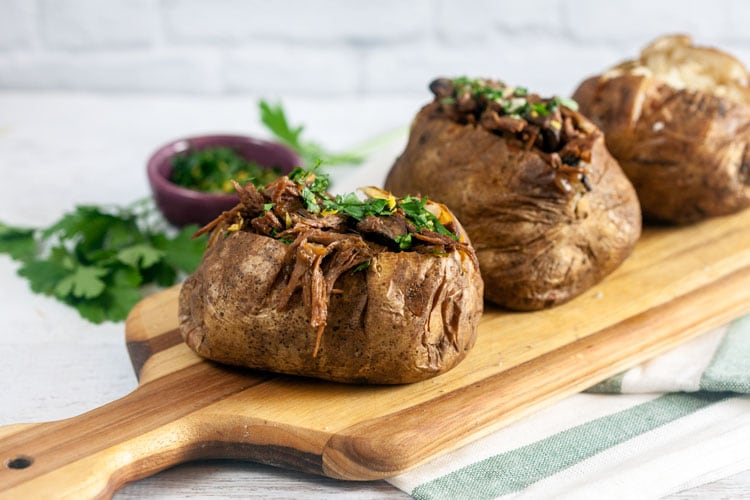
point(675, 422)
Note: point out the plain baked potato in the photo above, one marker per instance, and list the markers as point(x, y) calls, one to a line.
point(380, 291)
point(677, 119)
point(548, 210)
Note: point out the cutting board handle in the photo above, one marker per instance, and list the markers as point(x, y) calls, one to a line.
point(91, 455)
point(156, 426)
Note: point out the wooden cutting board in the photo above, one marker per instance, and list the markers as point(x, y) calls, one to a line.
point(678, 283)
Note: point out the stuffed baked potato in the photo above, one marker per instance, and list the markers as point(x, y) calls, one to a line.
point(677, 119)
point(294, 280)
point(547, 208)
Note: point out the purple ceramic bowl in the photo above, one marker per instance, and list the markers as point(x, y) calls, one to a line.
point(182, 206)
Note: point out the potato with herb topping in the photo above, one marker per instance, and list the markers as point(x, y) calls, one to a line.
point(549, 211)
point(383, 290)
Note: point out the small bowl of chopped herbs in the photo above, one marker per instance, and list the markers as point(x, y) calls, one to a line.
point(191, 178)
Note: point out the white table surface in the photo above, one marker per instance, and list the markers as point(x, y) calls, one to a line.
point(58, 150)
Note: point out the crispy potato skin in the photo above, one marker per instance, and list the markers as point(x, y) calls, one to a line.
point(537, 246)
point(407, 317)
point(685, 151)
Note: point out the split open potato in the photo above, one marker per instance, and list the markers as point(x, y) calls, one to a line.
point(677, 118)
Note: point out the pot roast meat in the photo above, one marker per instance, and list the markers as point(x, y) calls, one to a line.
point(319, 258)
point(384, 229)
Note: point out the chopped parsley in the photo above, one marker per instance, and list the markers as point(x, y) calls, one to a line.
point(314, 185)
point(362, 266)
point(404, 242)
point(513, 100)
point(212, 170)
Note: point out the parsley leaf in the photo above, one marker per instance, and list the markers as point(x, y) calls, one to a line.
point(565, 101)
point(351, 205)
point(126, 276)
point(311, 200)
point(16, 242)
point(404, 241)
point(119, 300)
point(96, 259)
point(414, 209)
point(43, 275)
point(362, 266)
point(113, 305)
point(182, 252)
point(140, 255)
point(85, 282)
point(274, 118)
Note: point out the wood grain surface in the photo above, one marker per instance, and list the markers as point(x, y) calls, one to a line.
point(677, 284)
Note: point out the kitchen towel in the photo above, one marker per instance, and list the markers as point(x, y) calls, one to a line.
point(675, 422)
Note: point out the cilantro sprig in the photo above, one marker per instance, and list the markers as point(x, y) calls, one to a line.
point(98, 259)
point(274, 118)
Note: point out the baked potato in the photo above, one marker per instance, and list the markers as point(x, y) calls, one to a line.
point(677, 119)
point(383, 290)
point(548, 210)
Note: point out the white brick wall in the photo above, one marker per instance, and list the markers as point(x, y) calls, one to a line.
point(93, 25)
point(17, 24)
point(338, 47)
point(296, 21)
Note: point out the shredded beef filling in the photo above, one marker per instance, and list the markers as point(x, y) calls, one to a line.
point(562, 136)
point(320, 247)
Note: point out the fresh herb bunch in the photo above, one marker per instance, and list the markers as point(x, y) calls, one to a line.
point(314, 186)
point(312, 153)
point(97, 259)
point(514, 100)
point(213, 169)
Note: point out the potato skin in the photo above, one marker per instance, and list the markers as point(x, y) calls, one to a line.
point(537, 246)
point(407, 317)
point(685, 151)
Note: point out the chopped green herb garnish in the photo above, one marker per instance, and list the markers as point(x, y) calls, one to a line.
point(311, 200)
point(541, 108)
point(362, 266)
point(318, 200)
point(350, 204)
point(548, 125)
point(313, 178)
point(213, 169)
point(404, 242)
point(513, 100)
point(415, 211)
point(565, 101)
